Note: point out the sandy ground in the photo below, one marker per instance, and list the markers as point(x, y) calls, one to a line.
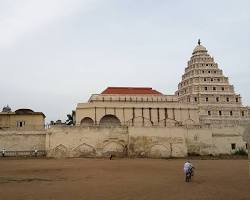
point(122, 179)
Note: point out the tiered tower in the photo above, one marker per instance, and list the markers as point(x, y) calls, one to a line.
point(204, 84)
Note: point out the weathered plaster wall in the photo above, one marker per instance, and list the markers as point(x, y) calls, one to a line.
point(96, 141)
point(33, 122)
point(86, 141)
point(157, 142)
point(125, 112)
point(223, 138)
point(22, 140)
point(206, 141)
point(122, 141)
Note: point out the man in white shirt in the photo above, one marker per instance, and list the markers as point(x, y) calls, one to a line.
point(187, 166)
point(36, 152)
point(3, 152)
point(188, 170)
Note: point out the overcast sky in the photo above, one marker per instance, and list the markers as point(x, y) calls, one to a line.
point(56, 53)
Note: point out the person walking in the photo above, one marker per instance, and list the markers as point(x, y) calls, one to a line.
point(3, 152)
point(36, 152)
point(188, 170)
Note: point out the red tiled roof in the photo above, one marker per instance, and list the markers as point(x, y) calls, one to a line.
point(131, 90)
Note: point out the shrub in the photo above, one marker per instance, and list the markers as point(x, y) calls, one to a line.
point(240, 151)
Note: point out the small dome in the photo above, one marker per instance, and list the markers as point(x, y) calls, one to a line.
point(24, 111)
point(199, 48)
point(6, 109)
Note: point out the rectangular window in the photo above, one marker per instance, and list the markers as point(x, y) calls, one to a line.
point(242, 113)
point(220, 112)
point(236, 100)
point(195, 99)
point(206, 99)
point(233, 146)
point(214, 88)
point(217, 99)
point(246, 146)
point(209, 112)
point(231, 113)
point(205, 88)
point(222, 88)
point(227, 99)
point(20, 123)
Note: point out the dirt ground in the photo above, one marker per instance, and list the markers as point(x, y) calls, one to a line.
point(122, 179)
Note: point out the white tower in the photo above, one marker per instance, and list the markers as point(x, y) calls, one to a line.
point(204, 84)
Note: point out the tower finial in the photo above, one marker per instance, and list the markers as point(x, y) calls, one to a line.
point(199, 42)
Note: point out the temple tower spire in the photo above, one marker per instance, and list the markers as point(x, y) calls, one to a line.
point(204, 84)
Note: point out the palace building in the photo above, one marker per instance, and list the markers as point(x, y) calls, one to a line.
point(204, 117)
point(204, 97)
point(135, 106)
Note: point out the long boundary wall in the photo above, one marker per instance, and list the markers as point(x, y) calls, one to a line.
point(22, 140)
point(96, 141)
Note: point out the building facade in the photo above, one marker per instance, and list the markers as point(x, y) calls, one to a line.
point(204, 97)
point(204, 117)
point(137, 107)
point(21, 120)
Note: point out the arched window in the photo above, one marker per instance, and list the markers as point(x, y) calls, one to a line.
point(109, 120)
point(87, 121)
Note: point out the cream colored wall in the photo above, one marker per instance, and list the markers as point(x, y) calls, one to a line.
point(22, 141)
point(199, 141)
point(141, 141)
point(215, 141)
point(4, 121)
point(157, 142)
point(32, 122)
point(223, 138)
point(124, 111)
point(97, 141)
point(85, 141)
point(134, 98)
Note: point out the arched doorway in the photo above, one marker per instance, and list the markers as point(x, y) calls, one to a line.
point(87, 121)
point(109, 121)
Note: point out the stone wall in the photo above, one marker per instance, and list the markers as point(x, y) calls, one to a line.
point(157, 142)
point(214, 141)
point(86, 141)
point(122, 141)
point(97, 141)
point(22, 140)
